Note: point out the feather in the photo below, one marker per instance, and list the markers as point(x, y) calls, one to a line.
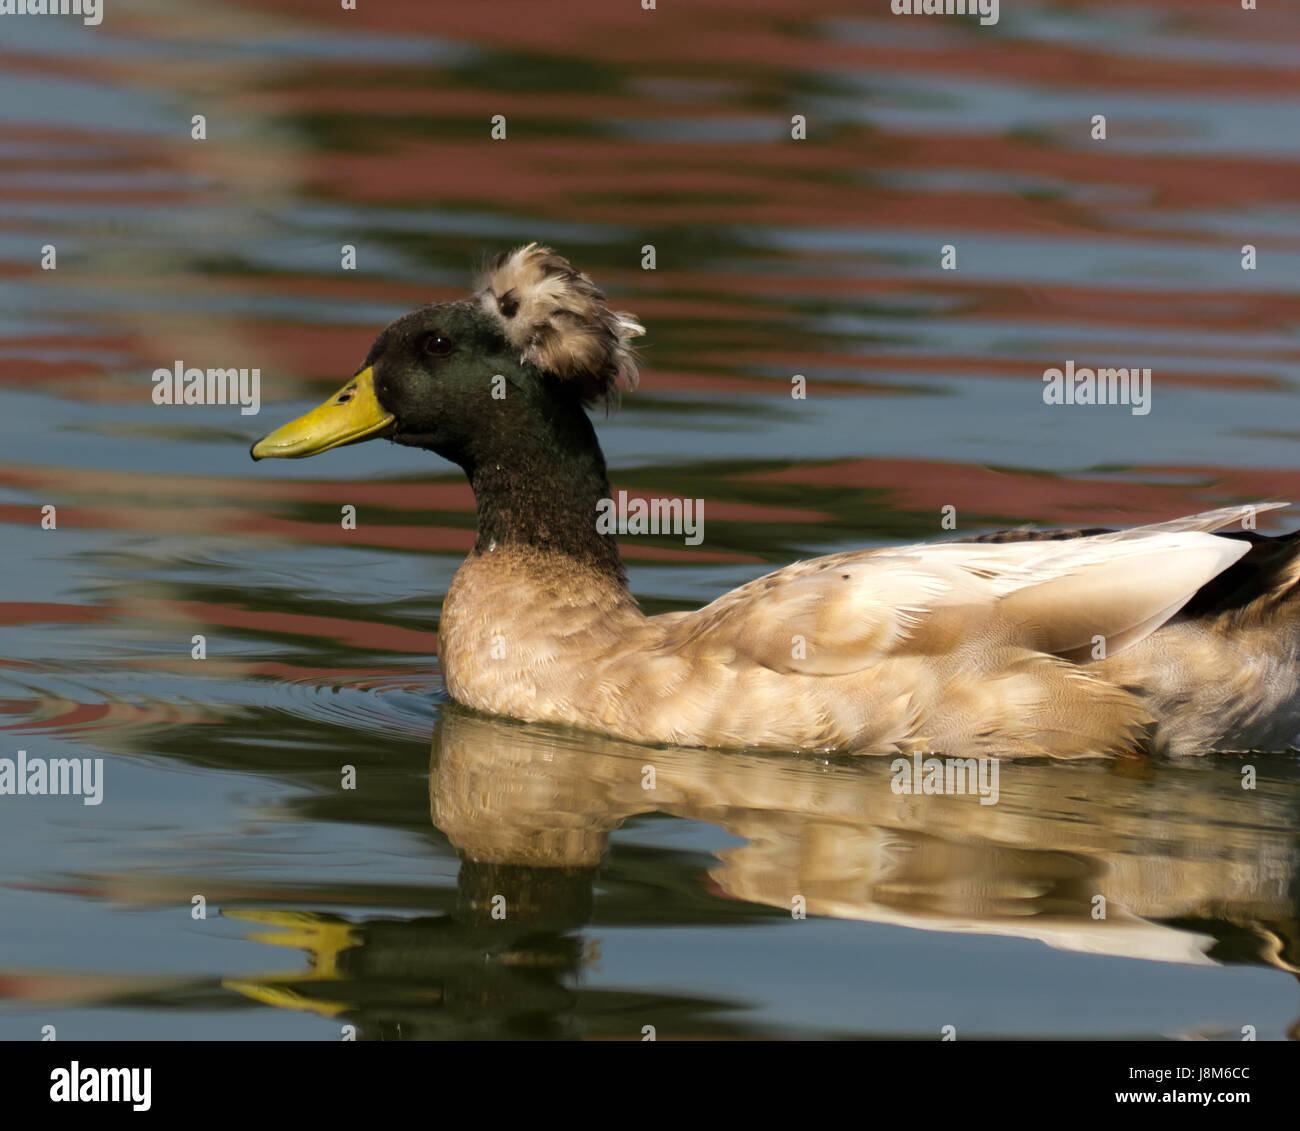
point(558, 320)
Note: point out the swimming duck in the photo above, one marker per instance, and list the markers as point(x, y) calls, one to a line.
point(1178, 637)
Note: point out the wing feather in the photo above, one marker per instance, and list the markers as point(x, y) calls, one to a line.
point(846, 612)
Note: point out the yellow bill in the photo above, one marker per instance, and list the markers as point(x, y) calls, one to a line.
point(353, 413)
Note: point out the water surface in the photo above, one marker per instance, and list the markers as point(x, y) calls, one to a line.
point(669, 907)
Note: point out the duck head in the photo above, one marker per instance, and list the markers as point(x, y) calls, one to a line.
point(470, 379)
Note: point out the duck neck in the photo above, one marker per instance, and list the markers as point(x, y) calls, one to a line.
point(537, 485)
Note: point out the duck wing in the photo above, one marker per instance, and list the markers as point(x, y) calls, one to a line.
point(846, 612)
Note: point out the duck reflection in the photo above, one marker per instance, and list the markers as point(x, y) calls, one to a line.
point(459, 976)
point(1115, 860)
point(1141, 860)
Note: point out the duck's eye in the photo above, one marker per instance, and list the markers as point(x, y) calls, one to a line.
point(435, 345)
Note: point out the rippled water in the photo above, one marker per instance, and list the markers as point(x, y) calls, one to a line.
point(668, 907)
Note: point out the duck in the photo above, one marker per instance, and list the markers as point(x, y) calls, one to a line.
point(1173, 638)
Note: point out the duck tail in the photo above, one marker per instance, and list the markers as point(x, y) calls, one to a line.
point(1263, 584)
